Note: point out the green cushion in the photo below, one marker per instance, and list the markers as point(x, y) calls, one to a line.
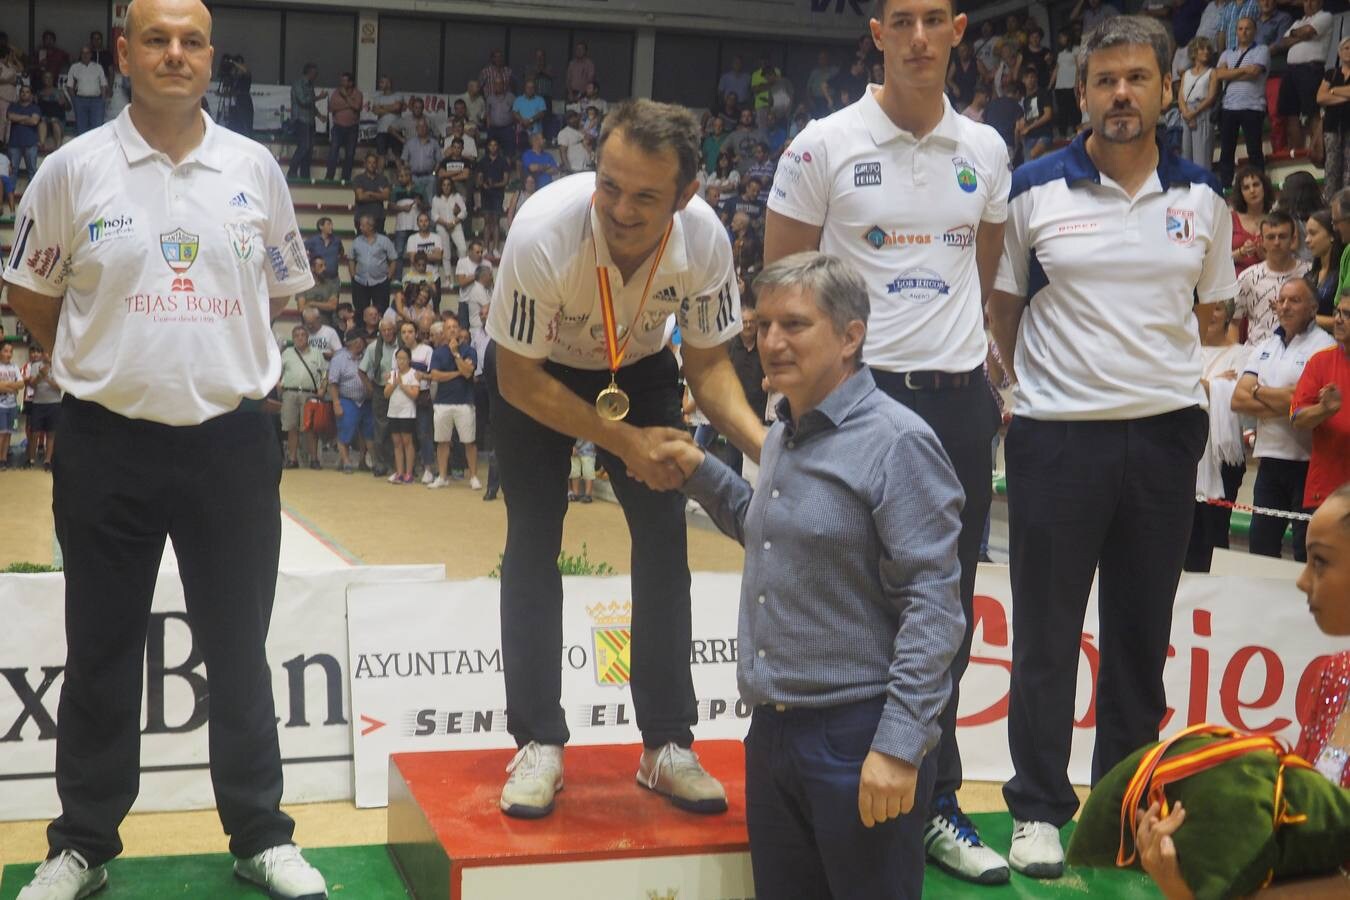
point(1228, 845)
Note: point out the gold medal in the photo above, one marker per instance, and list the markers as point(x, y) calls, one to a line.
point(612, 402)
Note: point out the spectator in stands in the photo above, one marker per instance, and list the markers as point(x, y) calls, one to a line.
point(1340, 217)
point(542, 74)
point(539, 162)
point(349, 389)
point(427, 242)
point(417, 289)
point(49, 57)
point(1325, 244)
point(1035, 131)
point(476, 299)
point(730, 113)
point(304, 112)
point(1272, 23)
point(421, 153)
point(713, 196)
point(42, 403)
point(1308, 43)
point(581, 478)
point(580, 71)
point(1242, 70)
point(322, 338)
point(401, 391)
point(979, 102)
point(986, 50)
point(496, 78)
point(324, 295)
point(1063, 80)
point(775, 133)
point(303, 377)
point(735, 81)
point(466, 271)
point(1252, 197)
point(468, 147)
point(1199, 92)
point(494, 170)
point(6, 183)
point(11, 71)
point(369, 324)
point(87, 84)
point(529, 110)
point(388, 109)
point(590, 127)
point(371, 266)
point(452, 370)
point(762, 167)
point(328, 246)
point(457, 168)
point(527, 188)
point(744, 140)
point(1208, 25)
point(448, 212)
point(1332, 95)
point(371, 191)
point(1005, 74)
point(1037, 56)
point(1233, 12)
point(751, 203)
point(235, 86)
point(24, 118)
point(1259, 284)
point(345, 321)
point(1318, 406)
point(52, 103)
point(475, 104)
point(414, 114)
point(1265, 391)
point(763, 82)
point(962, 76)
point(818, 92)
point(590, 97)
point(344, 112)
point(11, 384)
point(1003, 113)
point(747, 250)
point(414, 336)
point(572, 143)
point(405, 204)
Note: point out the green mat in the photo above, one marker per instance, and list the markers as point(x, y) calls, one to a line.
point(366, 873)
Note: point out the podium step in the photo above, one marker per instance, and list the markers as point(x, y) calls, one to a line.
point(607, 837)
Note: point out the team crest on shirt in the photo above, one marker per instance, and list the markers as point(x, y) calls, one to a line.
point(965, 174)
point(180, 252)
point(1181, 226)
point(243, 240)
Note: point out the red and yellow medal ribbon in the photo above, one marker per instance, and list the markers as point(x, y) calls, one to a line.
point(614, 349)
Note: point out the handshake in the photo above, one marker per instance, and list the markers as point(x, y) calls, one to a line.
point(661, 458)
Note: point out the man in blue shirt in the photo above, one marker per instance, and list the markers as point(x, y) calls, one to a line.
point(539, 162)
point(452, 366)
point(845, 658)
point(529, 110)
point(328, 247)
point(24, 117)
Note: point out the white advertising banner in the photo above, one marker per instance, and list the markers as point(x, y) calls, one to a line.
point(1242, 649)
point(307, 648)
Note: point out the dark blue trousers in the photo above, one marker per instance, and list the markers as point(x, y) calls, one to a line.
point(807, 841)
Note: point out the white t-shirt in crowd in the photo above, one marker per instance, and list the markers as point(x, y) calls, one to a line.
point(386, 120)
point(546, 303)
point(1277, 365)
point(166, 269)
point(89, 79)
point(1066, 69)
point(847, 173)
point(467, 268)
point(1315, 50)
point(1108, 332)
point(401, 406)
point(427, 244)
point(1258, 288)
point(574, 150)
point(325, 339)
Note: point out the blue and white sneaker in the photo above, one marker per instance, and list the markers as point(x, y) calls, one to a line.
point(953, 845)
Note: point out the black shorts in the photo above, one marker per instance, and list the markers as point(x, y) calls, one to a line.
point(492, 201)
point(402, 426)
point(42, 417)
point(1298, 90)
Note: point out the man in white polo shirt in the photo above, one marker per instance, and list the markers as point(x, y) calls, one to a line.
point(163, 232)
point(913, 196)
point(87, 85)
point(1109, 241)
point(1265, 391)
point(593, 269)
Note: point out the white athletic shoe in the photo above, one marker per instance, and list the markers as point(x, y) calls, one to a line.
point(66, 876)
point(953, 845)
point(439, 483)
point(283, 873)
point(676, 772)
point(475, 484)
point(1036, 851)
point(427, 477)
point(536, 775)
point(393, 478)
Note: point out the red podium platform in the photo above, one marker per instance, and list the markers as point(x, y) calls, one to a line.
point(607, 837)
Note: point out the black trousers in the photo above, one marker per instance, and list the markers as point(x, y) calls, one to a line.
point(534, 462)
point(342, 139)
point(1115, 499)
point(376, 295)
point(965, 420)
point(1279, 485)
point(1210, 527)
point(304, 150)
point(120, 487)
point(1251, 122)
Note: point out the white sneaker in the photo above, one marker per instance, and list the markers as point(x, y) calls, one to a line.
point(283, 873)
point(393, 478)
point(427, 477)
point(1036, 851)
point(65, 876)
point(676, 772)
point(475, 484)
point(439, 483)
point(953, 845)
point(536, 775)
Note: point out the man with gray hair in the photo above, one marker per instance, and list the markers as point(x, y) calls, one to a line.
point(1109, 424)
point(839, 757)
point(1340, 217)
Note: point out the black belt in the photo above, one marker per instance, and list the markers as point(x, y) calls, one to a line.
point(928, 380)
point(298, 390)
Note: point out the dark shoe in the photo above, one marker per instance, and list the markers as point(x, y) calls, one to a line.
point(347, 469)
point(571, 497)
point(46, 467)
point(26, 464)
point(587, 498)
point(490, 495)
point(378, 471)
point(362, 467)
point(292, 463)
point(314, 464)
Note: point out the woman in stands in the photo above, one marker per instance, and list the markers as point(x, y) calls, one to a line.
point(1324, 243)
point(401, 391)
point(1325, 741)
point(1332, 95)
point(1199, 94)
point(1251, 201)
point(527, 189)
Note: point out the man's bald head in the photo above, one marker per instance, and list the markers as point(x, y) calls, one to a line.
point(142, 12)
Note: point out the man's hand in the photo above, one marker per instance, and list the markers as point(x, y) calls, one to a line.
point(886, 788)
point(1330, 398)
point(684, 454)
point(1158, 853)
point(643, 464)
point(337, 408)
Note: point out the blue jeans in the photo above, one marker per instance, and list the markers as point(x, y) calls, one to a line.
point(88, 113)
point(26, 154)
point(355, 417)
point(802, 768)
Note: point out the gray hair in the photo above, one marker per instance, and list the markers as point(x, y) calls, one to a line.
point(1340, 201)
point(839, 292)
point(437, 328)
point(309, 313)
point(479, 272)
point(1126, 31)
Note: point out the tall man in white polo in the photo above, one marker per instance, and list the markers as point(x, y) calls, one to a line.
point(164, 233)
point(1108, 242)
point(913, 197)
point(634, 231)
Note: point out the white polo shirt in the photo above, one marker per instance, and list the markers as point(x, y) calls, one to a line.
point(1279, 366)
point(1109, 332)
point(546, 303)
point(88, 79)
point(166, 270)
point(903, 213)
